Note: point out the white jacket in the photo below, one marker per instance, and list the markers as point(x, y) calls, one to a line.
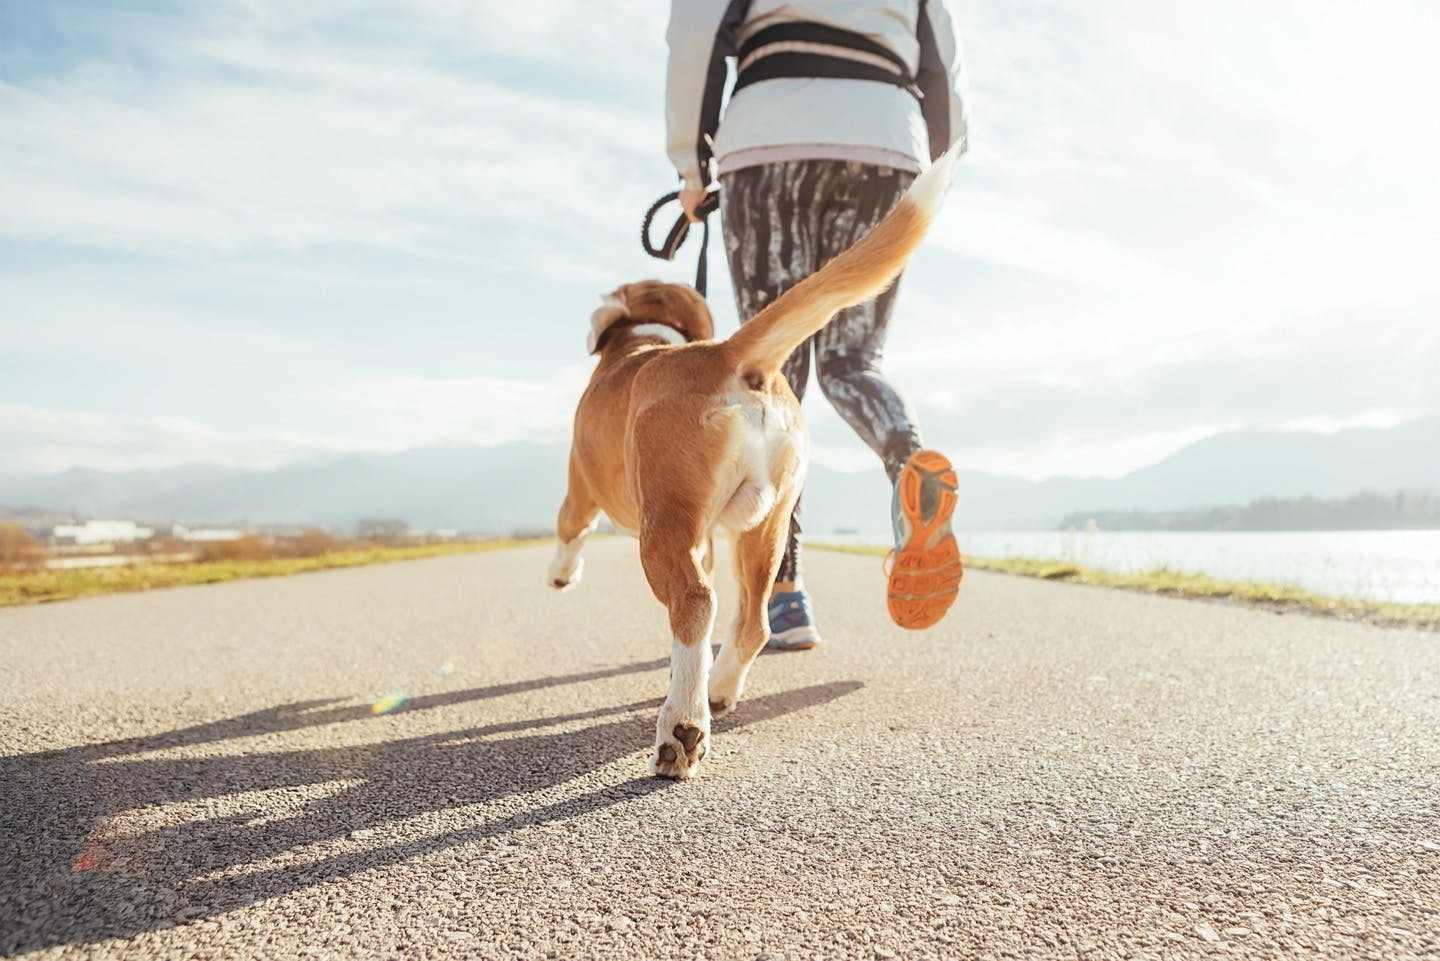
point(811, 119)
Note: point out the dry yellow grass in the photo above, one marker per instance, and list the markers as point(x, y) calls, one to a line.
point(39, 587)
point(1164, 581)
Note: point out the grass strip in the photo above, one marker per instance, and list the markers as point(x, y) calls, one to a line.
point(40, 587)
point(1283, 597)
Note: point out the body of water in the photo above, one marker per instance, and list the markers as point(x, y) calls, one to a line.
point(1401, 566)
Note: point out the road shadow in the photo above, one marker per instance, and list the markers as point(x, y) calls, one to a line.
point(303, 714)
point(70, 878)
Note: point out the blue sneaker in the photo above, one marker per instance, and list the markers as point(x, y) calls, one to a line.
point(792, 622)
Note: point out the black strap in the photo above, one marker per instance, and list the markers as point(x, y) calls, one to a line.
point(716, 73)
point(817, 64)
point(933, 76)
point(680, 231)
point(806, 32)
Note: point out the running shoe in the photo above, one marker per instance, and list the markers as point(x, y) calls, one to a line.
point(792, 622)
point(926, 570)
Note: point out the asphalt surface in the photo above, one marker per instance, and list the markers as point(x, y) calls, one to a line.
point(1056, 771)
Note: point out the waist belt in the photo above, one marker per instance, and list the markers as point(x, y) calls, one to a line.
point(817, 50)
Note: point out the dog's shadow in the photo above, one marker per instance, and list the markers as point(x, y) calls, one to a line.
point(71, 879)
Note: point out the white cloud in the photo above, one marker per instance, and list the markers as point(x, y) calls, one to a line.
point(484, 411)
point(237, 169)
point(43, 441)
point(251, 130)
point(388, 414)
point(973, 228)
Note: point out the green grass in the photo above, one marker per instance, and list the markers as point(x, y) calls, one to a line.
point(40, 587)
point(1164, 581)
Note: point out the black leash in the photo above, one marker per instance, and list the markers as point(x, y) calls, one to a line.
point(680, 231)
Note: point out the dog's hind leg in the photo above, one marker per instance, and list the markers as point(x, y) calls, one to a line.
point(577, 519)
point(757, 558)
point(672, 559)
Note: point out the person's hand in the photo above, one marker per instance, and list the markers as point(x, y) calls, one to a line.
point(690, 199)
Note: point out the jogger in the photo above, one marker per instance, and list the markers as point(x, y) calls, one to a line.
point(836, 106)
point(781, 223)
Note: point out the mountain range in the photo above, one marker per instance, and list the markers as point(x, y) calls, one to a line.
point(519, 486)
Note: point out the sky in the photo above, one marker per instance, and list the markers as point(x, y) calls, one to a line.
point(253, 231)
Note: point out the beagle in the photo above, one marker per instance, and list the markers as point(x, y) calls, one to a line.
point(679, 435)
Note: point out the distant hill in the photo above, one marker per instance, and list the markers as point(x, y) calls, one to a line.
point(84, 490)
point(1364, 512)
point(499, 489)
point(471, 488)
point(31, 517)
point(1232, 468)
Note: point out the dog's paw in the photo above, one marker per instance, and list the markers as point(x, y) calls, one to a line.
point(726, 683)
point(564, 574)
point(678, 753)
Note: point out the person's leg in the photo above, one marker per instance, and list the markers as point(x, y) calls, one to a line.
point(926, 574)
point(848, 355)
point(849, 349)
point(771, 225)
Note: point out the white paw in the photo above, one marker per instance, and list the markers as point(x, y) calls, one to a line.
point(681, 742)
point(565, 571)
point(727, 683)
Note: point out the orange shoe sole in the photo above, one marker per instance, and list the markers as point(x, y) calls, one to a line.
point(925, 576)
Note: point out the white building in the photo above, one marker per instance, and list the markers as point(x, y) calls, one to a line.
point(101, 532)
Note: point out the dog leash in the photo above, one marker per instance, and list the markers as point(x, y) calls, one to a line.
point(680, 231)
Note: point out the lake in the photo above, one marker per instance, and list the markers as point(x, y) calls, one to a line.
point(1400, 566)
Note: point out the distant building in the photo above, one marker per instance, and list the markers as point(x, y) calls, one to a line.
point(100, 532)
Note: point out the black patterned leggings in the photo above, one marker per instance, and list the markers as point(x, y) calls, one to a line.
point(782, 222)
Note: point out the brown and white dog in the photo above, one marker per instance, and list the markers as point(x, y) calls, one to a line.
point(678, 435)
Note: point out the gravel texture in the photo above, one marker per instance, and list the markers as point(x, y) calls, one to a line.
point(1056, 771)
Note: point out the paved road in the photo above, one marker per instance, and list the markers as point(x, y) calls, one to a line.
point(1057, 771)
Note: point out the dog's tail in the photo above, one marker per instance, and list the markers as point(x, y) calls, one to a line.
point(856, 275)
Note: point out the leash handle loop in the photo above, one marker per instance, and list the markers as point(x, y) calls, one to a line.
point(676, 237)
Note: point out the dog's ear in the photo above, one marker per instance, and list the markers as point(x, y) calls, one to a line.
point(612, 309)
point(674, 305)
